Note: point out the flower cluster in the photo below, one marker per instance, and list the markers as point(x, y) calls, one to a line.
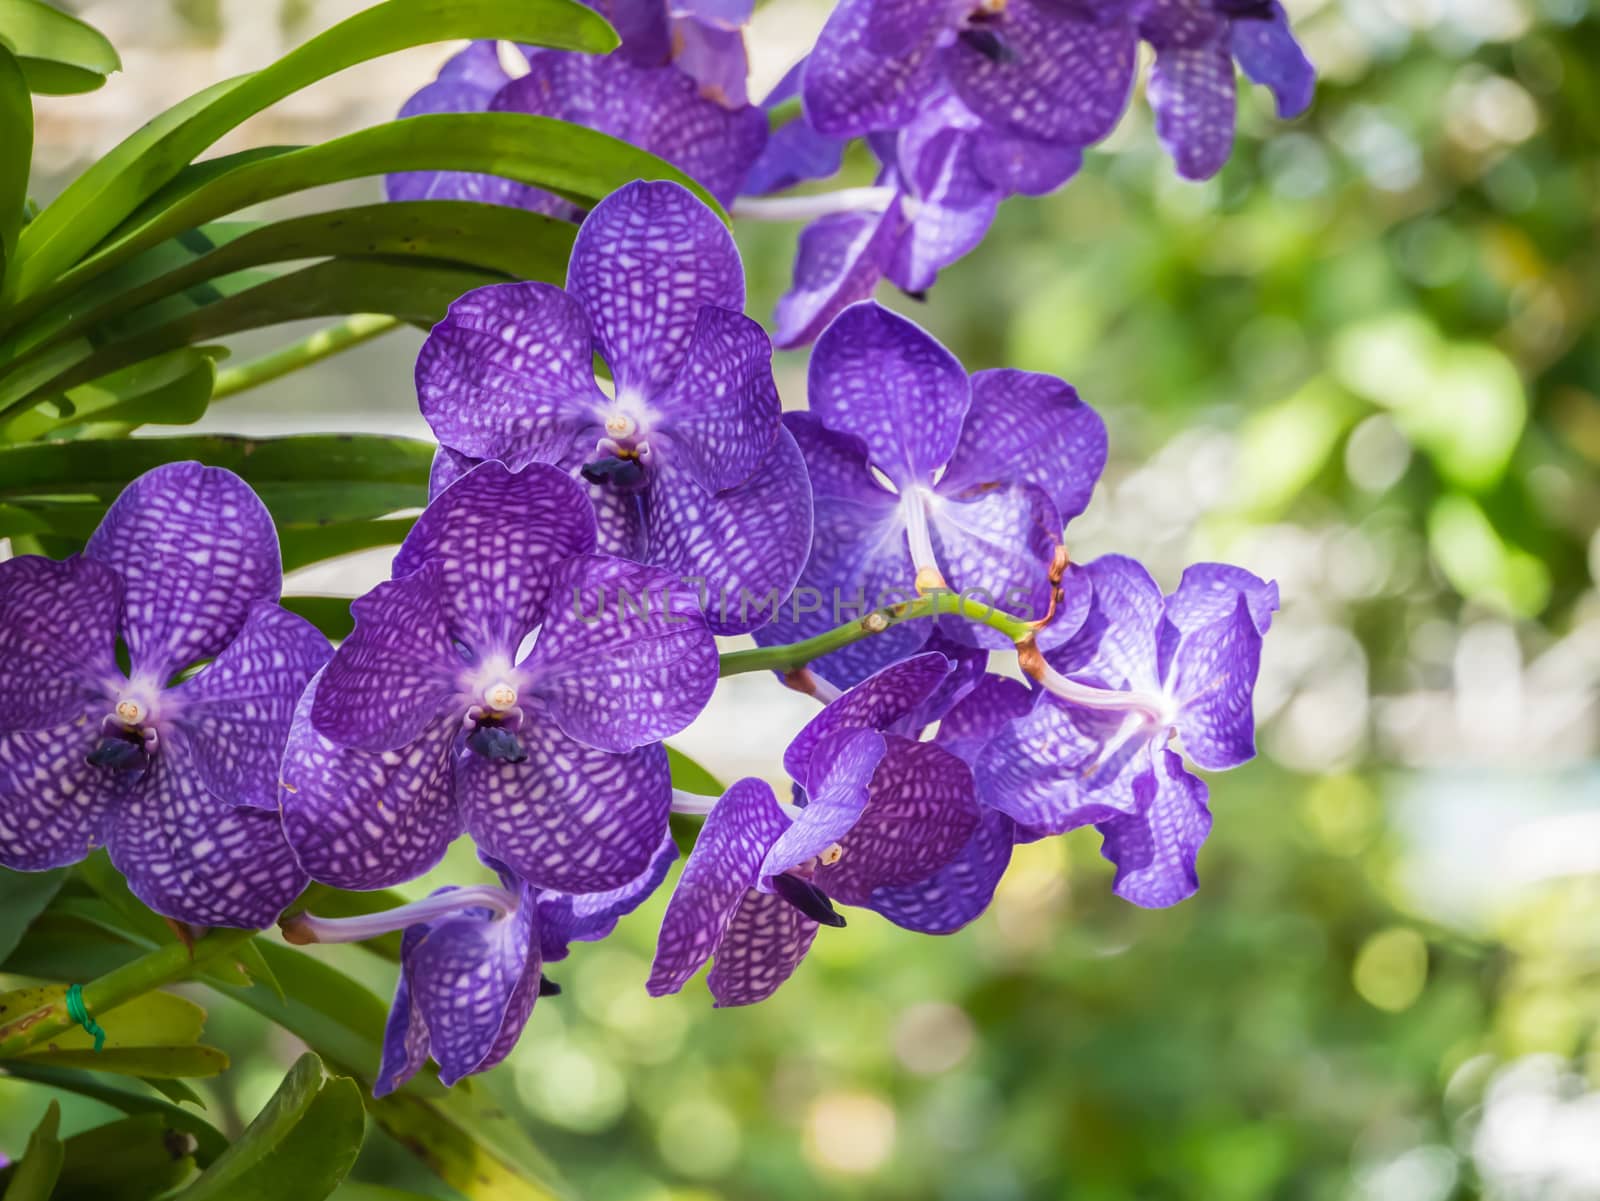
point(964, 103)
point(550, 619)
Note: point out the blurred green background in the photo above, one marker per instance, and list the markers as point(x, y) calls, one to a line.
point(1363, 361)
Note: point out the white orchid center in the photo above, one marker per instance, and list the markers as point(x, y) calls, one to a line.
point(620, 425)
point(832, 855)
point(500, 697)
point(130, 712)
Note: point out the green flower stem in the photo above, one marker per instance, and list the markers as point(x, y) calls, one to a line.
point(352, 331)
point(793, 655)
point(782, 113)
point(167, 964)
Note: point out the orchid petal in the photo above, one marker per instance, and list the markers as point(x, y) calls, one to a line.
point(58, 631)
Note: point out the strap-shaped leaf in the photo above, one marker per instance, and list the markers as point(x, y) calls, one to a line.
point(169, 389)
point(415, 292)
point(155, 1019)
point(128, 1098)
point(59, 54)
point(34, 1179)
point(456, 1138)
point(132, 1159)
point(302, 547)
point(494, 237)
point(23, 896)
point(190, 1061)
point(298, 1148)
point(16, 152)
point(581, 164)
point(330, 614)
point(102, 196)
point(304, 480)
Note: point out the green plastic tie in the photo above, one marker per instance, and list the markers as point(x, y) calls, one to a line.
point(79, 1012)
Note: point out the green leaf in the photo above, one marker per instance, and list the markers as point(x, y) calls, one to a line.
point(493, 237)
point(154, 1019)
point(133, 1159)
point(169, 389)
point(59, 54)
point(690, 776)
point(339, 1018)
point(23, 896)
point(16, 153)
point(355, 1190)
point(35, 1177)
point(330, 614)
point(313, 545)
point(455, 1146)
point(93, 205)
point(198, 1060)
point(209, 1142)
point(305, 480)
point(298, 1148)
point(581, 164)
point(415, 292)
point(175, 1091)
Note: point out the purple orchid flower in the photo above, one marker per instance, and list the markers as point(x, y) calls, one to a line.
point(175, 773)
point(436, 715)
point(1050, 71)
point(687, 461)
point(882, 813)
point(796, 151)
point(1093, 748)
point(1192, 87)
point(924, 477)
point(472, 963)
point(944, 176)
point(658, 108)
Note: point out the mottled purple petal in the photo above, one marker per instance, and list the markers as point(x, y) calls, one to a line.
point(498, 537)
point(448, 467)
point(967, 671)
point(405, 1034)
point(1065, 80)
point(1191, 90)
point(759, 950)
point(720, 871)
point(1209, 592)
point(890, 382)
point(367, 819)
point(1022, 165)
point(743, 547)
point(1032, 428)
point(725, 14)
point(722, 411)
point(859, 562)
point(874, 704)
point(569, 818)
point(646, 261)
point(464, 974)
point(624, 657)
point(969, 727)
point(1049, 770)
point(844, 765)
point(1213, 675)
point(197, 859)
point(958, 892)
point(195, 548)
point(856, 81)
point(395, 675)
point(838, 260)
point(642, 25)
point(1270, 56)
point(619, 522)
point(509, 374)
point(921, 813)
point(58, 632)
point(1155, 850)
point(838, 464)
point(1116, 643)
point(795, 152)
point(714, 57)
point(588, 917)
point(235, 713)
point(54, 807)
point(657, 108)
point(997, 548)
point(944, 221)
